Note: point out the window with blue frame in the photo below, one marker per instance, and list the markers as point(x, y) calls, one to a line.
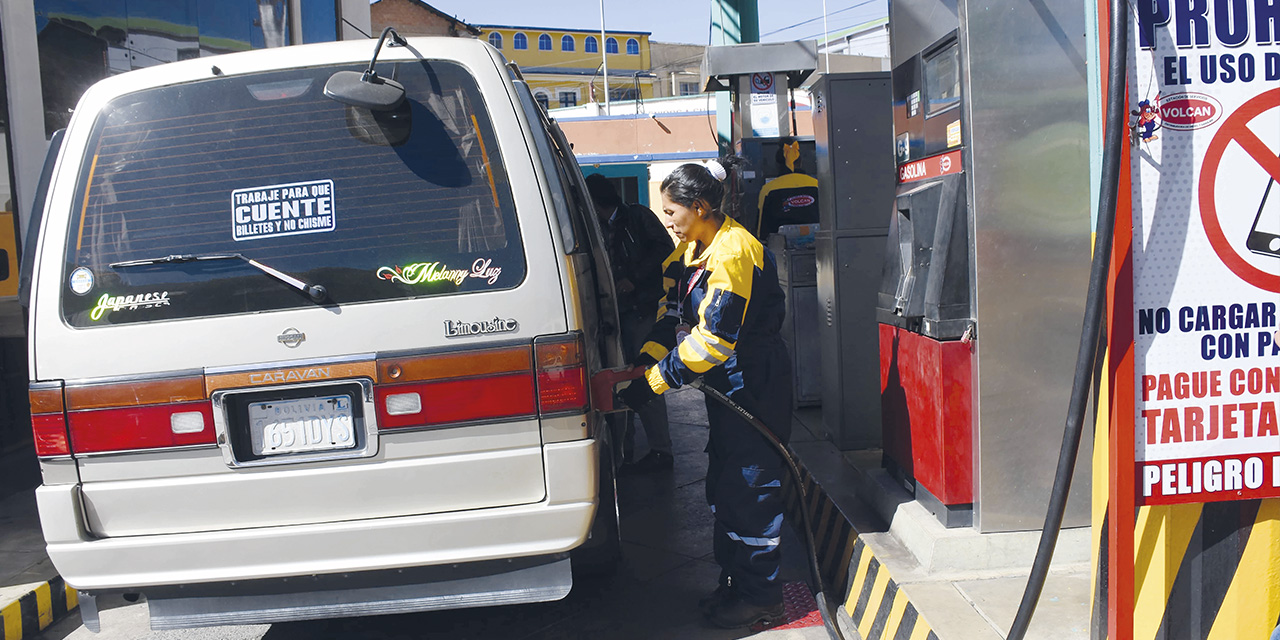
point(495, 39)
point(591, 45)
point(611, 45)
point(544, 42)
point(520, 41)
point(633, 47)
point(566, 43)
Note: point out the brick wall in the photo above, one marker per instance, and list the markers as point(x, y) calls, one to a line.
point(410, 18)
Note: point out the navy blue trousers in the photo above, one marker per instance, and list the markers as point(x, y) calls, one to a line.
point(746, 475)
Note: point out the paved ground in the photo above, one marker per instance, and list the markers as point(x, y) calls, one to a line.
point(967, 585)
point(23, 563)
point(666, 529)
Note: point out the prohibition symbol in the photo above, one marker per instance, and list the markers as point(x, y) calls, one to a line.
point(762, 82)
point(1235, 129)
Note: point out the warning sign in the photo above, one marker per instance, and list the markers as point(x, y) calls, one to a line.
point(764, 106)
point(762, 83)
point(282, 210)
point(1206, 260)
point(1234, 236)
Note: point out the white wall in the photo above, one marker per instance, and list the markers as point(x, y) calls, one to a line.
point(22, 74)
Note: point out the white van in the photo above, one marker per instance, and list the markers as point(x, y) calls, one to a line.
point(294, 358)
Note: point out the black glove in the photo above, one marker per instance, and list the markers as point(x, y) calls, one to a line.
point(637, 394)
point(644, 361)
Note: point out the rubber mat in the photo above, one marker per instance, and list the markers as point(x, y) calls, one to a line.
point(801, 609)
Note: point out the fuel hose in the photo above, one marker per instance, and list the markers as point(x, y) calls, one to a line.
point(1088, 357)
point(815, 572)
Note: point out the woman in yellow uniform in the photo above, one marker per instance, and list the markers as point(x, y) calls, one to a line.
point(720, 319)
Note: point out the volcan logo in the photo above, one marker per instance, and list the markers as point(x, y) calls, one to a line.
point(799, 201)
point(1187, 111)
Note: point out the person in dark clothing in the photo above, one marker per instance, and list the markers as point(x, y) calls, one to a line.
point(721, 320)
point(790, 198)
point(637, 245)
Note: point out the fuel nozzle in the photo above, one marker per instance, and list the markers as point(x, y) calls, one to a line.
point(604, 387)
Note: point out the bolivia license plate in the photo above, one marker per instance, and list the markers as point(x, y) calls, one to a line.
point(280, 427)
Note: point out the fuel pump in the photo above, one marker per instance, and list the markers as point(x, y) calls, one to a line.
point(925, 308)
point(987, 253)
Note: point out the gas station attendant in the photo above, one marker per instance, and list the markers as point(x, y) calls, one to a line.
point(720, 319)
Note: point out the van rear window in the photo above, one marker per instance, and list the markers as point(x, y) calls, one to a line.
point(185, 185)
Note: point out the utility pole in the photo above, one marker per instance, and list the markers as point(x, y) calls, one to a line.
point(604, 56)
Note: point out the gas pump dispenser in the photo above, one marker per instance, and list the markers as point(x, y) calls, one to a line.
point(986, 256)
point(925, 308)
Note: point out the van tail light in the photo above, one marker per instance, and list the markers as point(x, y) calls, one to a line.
point(562, 375)
point(140, 428)
point(48, 419)
point(453, 401)
point(457, 387)
point(139, 415)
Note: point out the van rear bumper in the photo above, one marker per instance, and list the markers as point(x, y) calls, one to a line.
point(134, 563)
point(481, 584)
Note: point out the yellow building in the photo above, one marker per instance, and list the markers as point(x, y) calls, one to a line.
point(564, 66)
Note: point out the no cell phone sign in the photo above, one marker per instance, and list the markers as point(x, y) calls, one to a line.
point(1240, 203)
point(762, 82)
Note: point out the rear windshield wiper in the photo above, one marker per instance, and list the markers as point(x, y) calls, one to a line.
point(316, 292)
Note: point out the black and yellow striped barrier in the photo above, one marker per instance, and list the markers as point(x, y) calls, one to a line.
point(879, 609)
point(44, 605)
point(1200, 571)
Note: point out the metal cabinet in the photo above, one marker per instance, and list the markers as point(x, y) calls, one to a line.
point(798, 276)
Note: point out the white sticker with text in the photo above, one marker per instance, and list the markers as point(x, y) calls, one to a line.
point(282, 210)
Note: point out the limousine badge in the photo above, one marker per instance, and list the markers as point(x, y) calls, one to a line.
point(456, 329)
point(291, 338)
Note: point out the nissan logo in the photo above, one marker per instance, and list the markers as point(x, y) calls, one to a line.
point(291, 338)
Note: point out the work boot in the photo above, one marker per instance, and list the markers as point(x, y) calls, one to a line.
point(736, 613)
point(714, 599)
point(654, 461)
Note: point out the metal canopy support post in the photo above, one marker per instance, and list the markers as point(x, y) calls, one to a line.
point(732, 22)
point(780, 92)
point(742, 124)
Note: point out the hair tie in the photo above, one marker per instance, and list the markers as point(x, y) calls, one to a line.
point(716, 170)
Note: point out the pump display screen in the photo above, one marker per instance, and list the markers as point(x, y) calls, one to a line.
point(942, 80)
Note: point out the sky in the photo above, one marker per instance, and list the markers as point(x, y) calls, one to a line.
point(682, 21)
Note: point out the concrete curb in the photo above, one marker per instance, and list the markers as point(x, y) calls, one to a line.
point(879, 609)
point(46, 603)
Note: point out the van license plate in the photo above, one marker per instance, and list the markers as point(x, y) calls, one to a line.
point(303, 424)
